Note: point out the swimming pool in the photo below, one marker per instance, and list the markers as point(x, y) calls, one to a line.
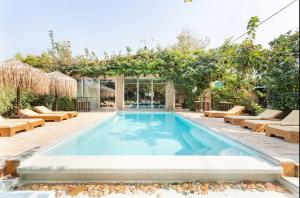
point(149, 133)
point(144, 133)
point(148, 147)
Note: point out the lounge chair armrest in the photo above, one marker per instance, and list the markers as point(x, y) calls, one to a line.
point(272, 119)
point(289, 124)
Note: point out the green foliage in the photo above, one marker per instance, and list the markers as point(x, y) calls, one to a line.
point(241, 97)
point(252, 27)
point(282, 75)
point(46, 100)
point(241, 67)
point(66, 104)
point(256, 108)
point(7, 97)
point(8, 100)
point(28, 100)
point(44, 61)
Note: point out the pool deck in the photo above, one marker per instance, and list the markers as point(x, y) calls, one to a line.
point(274, 147)
point(25, 144)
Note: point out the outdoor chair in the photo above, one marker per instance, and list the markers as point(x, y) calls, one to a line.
point(47, 117)
point(259, 125)
point(45, 110)
point(38, 122)
point(288, 133)
point(268, 114)
point(236, 110)
point(8, 129)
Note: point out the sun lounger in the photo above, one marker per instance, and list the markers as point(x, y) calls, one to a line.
point(237, 110)
point(38, 122)
point(47, 117)
point(8, 129)
point(288, 133)
point(259, 125)
point(268, 114)
point(45, 110)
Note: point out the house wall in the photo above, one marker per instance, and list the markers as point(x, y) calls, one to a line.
point(170, 96)
point(120, 92)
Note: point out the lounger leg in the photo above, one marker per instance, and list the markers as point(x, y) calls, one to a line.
point(260, 128)
point(291, 138)
point(268, 134)
point(8, 133)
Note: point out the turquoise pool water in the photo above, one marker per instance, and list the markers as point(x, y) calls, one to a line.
point(149, 134)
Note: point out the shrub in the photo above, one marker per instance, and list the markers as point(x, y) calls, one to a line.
point(7, 97)
point(237, 97)
point(66, 104)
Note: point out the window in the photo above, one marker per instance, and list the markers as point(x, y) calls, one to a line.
point(107, 93)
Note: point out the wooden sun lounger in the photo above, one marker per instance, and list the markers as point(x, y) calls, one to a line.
point(8, 129)
point(47, 117)
point(237, 110)
point(32, 122)
point(45, 110)
point(266, 115)
point(288, 133)
point(259, 125)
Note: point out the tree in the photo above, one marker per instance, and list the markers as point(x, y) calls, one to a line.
point(187, 40)
point(252, 27)
point(239, 68)
point(282, 74)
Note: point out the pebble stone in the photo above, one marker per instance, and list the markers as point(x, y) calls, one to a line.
point(186, 188)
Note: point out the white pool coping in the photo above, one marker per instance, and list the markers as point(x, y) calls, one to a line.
point(147, 168)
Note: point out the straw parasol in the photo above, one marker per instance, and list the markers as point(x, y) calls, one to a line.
point(62, 85)
point(20, 75)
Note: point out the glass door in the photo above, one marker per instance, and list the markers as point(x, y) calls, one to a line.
point(145, 94)
point(159, 94)
point(130, 93)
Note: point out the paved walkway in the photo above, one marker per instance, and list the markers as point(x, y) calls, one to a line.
point(26, 144)
point(271, 146)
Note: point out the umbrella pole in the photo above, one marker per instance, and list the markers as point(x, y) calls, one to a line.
point(18, 101)
point(56, 102)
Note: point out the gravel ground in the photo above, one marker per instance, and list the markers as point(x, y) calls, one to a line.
point(245, 189)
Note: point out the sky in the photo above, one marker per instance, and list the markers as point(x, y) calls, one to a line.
point(112, 25)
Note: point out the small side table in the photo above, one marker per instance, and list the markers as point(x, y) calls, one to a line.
point(201, 106)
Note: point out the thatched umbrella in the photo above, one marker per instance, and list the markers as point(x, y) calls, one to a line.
point(106, 91)
point(20, 75)
point(62, 85)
